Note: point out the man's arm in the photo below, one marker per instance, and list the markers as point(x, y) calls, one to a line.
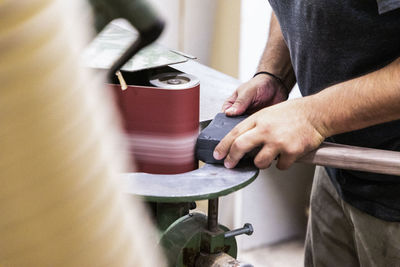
point(293, 128)
point(361, 102)
point(264, 90)
point(276, 57)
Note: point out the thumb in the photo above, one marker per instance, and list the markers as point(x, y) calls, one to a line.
point(229, 102)
point(239, 106)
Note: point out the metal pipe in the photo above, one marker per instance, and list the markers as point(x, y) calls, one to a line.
point(355, 158)
point(213, 215)
point(246, 229)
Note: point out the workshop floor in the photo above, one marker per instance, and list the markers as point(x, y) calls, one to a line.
point(284, 254)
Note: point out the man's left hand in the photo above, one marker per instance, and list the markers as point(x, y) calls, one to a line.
point(285, 131)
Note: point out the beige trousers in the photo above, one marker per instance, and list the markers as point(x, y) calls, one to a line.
point(340, 235)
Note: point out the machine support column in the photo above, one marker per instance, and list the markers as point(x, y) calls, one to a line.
point(213, 215)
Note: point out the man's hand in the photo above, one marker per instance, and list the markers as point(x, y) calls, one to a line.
point(287, 130)
point(259, 92)
point(293, 128)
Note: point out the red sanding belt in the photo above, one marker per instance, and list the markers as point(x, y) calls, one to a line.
point(162, 123)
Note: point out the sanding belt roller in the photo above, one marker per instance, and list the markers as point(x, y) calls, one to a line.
point(162, 122)
point(162, 125)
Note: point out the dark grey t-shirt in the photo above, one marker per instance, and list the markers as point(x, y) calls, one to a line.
point(334, 41)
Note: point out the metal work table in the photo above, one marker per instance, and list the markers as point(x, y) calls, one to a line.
point(210, 181)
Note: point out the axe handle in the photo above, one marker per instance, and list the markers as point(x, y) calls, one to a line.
point(355, 158)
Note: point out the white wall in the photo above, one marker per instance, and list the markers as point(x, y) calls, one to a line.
point(189, 26)
point(170, 11)
point(254, 29)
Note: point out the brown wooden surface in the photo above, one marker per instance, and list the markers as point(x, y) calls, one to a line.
point(355, 158)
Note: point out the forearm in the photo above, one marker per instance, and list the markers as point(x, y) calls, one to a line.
point(358, 103)
point(276, 56)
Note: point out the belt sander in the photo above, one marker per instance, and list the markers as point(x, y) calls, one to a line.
point(160, 110)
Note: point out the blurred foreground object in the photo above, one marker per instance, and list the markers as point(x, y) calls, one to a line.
point(136, 12)
point(60, 153)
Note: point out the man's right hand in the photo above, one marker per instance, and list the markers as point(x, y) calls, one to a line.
point(259, 92)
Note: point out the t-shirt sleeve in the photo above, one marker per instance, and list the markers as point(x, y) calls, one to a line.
point(387, 5)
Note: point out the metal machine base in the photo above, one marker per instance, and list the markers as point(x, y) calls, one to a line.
point(195, 239)
point(187, 237)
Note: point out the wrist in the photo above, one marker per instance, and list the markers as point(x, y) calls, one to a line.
point(284, 72)
point(317, 115)
point(271, 77)
point(276, 77)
